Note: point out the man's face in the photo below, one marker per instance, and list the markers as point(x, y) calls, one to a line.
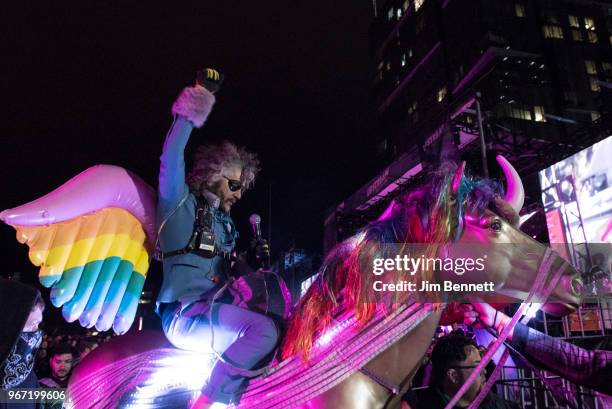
point(222, 189)
point(61, 365)
point(463, 370)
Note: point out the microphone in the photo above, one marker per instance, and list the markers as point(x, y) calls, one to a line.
point(255, 221)
point(262, 250)
point(210, 79)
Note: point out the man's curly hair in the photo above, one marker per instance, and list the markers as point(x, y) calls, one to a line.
point(210, 161)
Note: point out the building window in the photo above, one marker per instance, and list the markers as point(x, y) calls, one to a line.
point(539, 113)
point(574, 21)
point(552, 31)
point(390, 14)
point(576, 35)
point(570, 97)
point(412, 108)
point(379, 72)
point(589, 23)
point(403, 60)
point(410, 53)
point(595, 115)
point(406, 4)
point(520, 113)
point(418, 4)
point(388, 66)
point(552, 20)
point(441, 94)
point(607, 68)
point(590, 66)
point(519, 9)
point(420, 25)
point(592, 35)
point(399, 13)
point(594, 84)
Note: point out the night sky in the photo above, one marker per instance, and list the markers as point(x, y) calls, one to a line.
point(92, 82)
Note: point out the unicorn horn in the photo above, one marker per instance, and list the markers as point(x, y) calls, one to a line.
point(515, 194)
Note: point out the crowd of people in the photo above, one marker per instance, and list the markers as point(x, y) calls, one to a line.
point(453, 356)
point(60, 353)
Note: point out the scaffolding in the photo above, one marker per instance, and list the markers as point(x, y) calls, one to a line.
point(529, 391)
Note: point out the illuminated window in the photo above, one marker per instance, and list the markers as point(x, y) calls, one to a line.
point(441, 94)
point(576, 35)
point(403, 60)
point(412, 108)
point(390, 14)
point(607, 68)
point(399, 13)
point(589, 23)
point(574, 21)
point(594, 84)
point(410, 53)
point(406, 4)
point(519, 10)
point(592, 35)
point(552, 31)
point(418, 4)
point(590, 66)
point(539, 113)
point(388, 65)
point(595, 116)
point(520, 113)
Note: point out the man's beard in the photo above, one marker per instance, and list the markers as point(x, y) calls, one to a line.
point(227, 204)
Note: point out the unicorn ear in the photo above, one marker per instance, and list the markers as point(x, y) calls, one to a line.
point(458, 177)
point(388, 211)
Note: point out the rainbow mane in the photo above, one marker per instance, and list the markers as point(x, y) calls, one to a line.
point(431, 215)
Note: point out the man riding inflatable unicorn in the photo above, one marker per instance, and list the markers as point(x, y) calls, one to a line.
point(93, 238)
point(197, 237)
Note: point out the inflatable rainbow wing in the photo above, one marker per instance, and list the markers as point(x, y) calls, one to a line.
point(92, 238)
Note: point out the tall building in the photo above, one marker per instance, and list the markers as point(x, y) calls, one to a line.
point(532, 76)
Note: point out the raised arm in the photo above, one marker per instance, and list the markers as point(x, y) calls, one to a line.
point(191, 109)
point(592, 369)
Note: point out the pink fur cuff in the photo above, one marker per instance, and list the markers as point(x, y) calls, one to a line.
point(194, 103)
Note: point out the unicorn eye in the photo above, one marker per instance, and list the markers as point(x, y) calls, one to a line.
point(496, 225)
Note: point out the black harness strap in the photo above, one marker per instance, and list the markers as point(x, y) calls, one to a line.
point(203, 224)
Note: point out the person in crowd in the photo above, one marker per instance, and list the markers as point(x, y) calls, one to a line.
point(592, 369)
point(20, 337)
point(61, 360)
point(453, 359)
point(84, 348)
